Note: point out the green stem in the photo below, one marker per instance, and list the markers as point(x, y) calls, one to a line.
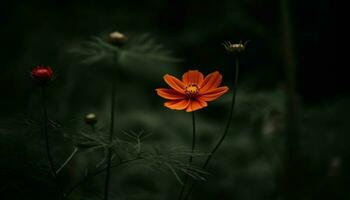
point(191, 157)
point(93, 128)
point(109, 153)
point(46, 133)
point(227, 128)
point(227, 125)
point(108, 174)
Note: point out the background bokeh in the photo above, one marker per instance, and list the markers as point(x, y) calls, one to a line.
point(250, 164)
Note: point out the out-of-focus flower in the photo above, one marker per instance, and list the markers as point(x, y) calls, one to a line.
point(235, 48)
point(193, 92)
point(90, 119)
point(117, 38)
point(42, 74)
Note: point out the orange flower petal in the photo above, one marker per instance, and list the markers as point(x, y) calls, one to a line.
point(213, 94)
point(213, 80)
point(192, 77)
point(196, 104)
point(177, 104)
point(175, 83)
point(170, 94)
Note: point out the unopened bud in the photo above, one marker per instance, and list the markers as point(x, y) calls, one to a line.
point(90, 119)
point(42, 74)
point(117, 38)
point(235, 48)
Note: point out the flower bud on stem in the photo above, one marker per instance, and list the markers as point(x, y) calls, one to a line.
point(46, 134)
point(109, 152)
point(235, 49)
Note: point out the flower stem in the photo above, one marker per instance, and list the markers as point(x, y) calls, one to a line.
point(235, 82)
point(111, 133)
point(46, 133)
point(108, 174)
point(191, 157)
point(229, 116)
point(93, 128)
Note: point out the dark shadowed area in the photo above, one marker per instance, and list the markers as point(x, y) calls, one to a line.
point(288, 135)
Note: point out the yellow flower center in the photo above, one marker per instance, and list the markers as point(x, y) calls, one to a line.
point(192, 90)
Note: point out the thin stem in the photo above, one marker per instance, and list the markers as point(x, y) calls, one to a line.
point(227, 125)
point(193, 136)
point(46, 133)
point(191, 157)
point(227, 128)
point(109, 153)
point(83, 180)
point(93, 128)
point(67, 160)
point(108, 174)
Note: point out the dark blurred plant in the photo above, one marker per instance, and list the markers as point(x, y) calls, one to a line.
point(42, 76)
point(116, 150)
point(115, 50)
point(140, 52)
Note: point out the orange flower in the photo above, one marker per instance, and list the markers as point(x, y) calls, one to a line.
point(193, 92)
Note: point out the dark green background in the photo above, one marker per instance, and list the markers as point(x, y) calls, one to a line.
point(43, 32)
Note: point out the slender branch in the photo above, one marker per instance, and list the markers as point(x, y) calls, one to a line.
point(191, 157)
point(227, 125)
point(88, 176)
point(46, 133)
point(109, 153)
point(67, 160)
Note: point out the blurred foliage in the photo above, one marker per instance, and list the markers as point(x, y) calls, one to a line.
point(249, 164)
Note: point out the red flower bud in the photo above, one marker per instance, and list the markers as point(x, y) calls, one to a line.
point(42, 74)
